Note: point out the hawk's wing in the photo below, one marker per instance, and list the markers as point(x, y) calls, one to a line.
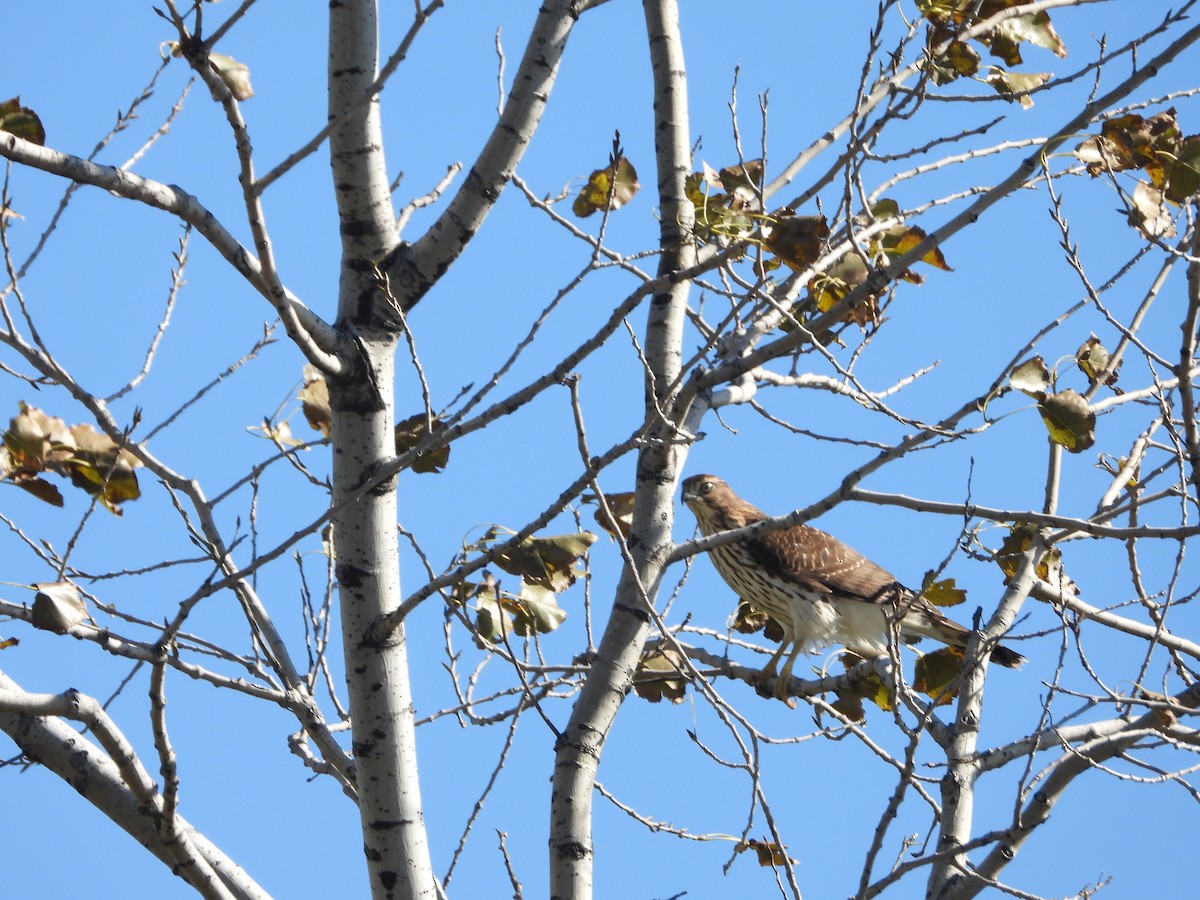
point(820, 562)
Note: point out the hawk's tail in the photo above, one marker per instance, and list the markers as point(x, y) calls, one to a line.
point(1010, 659)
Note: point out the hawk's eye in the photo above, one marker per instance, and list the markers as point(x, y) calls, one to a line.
point(707, 487)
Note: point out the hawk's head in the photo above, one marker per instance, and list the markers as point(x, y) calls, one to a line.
point(700, 489)
point(716, 506)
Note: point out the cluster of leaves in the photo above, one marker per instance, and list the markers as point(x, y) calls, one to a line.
point(727, 206)
point(1049, 568)
point(798, 241)
point(314, 402)
point(1066, 414)
point(36, 443)
point(1156, 146)
point(546, 566)
point(950, 57)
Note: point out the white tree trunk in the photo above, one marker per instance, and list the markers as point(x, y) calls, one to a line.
point(363, 407)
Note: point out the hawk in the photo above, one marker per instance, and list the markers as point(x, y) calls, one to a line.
point(818, 589)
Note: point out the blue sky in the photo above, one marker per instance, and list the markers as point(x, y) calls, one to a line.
point(99, 288)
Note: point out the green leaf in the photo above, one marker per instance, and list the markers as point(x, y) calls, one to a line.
point(1016, 85)
point(769, 854)
point(733, 214)
point(536, 611)
point(21, 121)
point(942, 593)
point(102, 469)
point(1031, 377)
point(1093, 361)
point(1069, 420)
point(1049, 568)
point(544, 561)
point(936, 673)
point(1183, 173)
point(608, 188)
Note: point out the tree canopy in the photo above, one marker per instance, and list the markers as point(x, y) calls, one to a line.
point(351, 369)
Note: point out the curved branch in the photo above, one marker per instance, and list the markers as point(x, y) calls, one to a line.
point(315, 337)
point(115, 782)
point(1071, 765)
point(415, 269)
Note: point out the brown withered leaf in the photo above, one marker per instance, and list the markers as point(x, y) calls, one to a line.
point(748, 619)
point(797, 241)
point(545, 561)
point(1131, 141)
point(535, 610)
point(1015, 86)
point(410, 432)
point(660, 676)
point(957, 60)
point(57, 607)
point(900, 239)
point(1004, 40)
point(36, 442)
point(621, 505)
point(236, 75)
point(314, 400)
point(1069, 420)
